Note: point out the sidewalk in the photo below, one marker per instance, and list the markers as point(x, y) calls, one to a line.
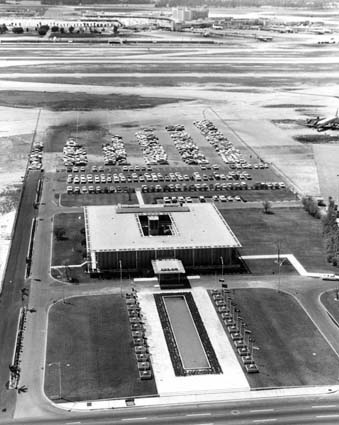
point(200, 398)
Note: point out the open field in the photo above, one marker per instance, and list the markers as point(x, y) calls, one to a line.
point(81, 101)
point(288, 349)
point(90, 345)
point(69, 243)
point(298, 234)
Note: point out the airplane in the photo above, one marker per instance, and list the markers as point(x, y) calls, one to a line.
point(324, 123)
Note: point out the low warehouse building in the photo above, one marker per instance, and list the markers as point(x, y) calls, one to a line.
point(130, 237)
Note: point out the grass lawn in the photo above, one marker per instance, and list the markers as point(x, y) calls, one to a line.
point(270, 266)
point(291, 351)
point(72, 200)
point(298, 232)
point(91, 339)
point(245, 195)
point(331, 304)
point(69, 249)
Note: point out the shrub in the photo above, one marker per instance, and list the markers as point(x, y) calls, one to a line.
point(17, 30)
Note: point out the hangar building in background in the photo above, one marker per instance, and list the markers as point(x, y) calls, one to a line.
point(130, 237)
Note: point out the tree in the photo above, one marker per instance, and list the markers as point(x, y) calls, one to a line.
point(267, 207)
point(311, 206)
point(43, 30)
point(22, 389)
point(71, 29)
point(60, 233)
point(55, 28)
point(331, 231)
point(3, 29)
point(17, 30)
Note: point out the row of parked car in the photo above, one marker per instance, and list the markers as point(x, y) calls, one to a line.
point(98, 189)
point(140, 342)
point(184, 187)
point(74, 153)
point(153, 152)
point(98, 178)
point(115, 152)
point(35, 156)
point(189, 151)
point(225, 149)
point(196, 187)
point(189, 199)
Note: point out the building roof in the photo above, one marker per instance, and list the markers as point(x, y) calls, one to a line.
point(168, 266)
point(196, 226)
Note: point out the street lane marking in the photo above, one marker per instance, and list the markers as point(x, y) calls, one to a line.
point(199, 414)
point(327, 416)
point(261, 410)
point(73, 423)
point(134, 419)
point(327, 406)
point(209, 423)
point(265, 420)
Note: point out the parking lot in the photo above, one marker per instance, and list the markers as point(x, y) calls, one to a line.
point(213, 169)
point(97, 184)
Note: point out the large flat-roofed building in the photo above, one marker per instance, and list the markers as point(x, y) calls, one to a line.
point(130, 237)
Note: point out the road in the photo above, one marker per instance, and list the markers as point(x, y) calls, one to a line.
point(14, 281)
point(322, 409)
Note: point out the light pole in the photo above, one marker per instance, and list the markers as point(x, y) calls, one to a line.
point(120, 267)
point(59, 372)
point(279, 263)
point(222, 269)
point(247, 332)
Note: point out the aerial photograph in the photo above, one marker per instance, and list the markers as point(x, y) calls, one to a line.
point(169, 225)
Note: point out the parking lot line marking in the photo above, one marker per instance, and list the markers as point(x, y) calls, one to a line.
point(261, 410)
point(199, 414)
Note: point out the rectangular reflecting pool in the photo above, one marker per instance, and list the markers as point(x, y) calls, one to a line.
point(186, 335)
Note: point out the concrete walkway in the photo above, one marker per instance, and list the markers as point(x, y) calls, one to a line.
point(292, 259)
point(139, 197)
point(200, 398)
